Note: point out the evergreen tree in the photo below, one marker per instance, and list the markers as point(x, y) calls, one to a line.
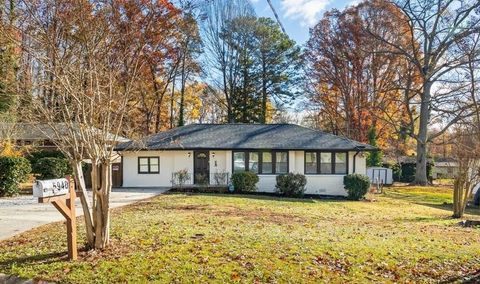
point(277, 62)
point(374, 159)
point(267, 67)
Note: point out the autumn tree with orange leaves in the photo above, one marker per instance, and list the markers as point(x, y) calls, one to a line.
point(438, 31)
point(88, 58)
point(350, 85)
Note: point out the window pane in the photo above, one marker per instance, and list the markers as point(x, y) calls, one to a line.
point(340, 163)
point(326, 163)
point(253, 162)
point(154, 161)
point(144, 168)
point(143, 161)
point(281, 163)
point(266, 163)
point(238, 161)
point(153, 168)
point(310, 163)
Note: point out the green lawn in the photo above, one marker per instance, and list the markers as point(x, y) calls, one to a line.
point(404, 235)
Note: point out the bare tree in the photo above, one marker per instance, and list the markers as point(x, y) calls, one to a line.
point(435, 29)
point(467, 155)
point(467, 138)
point(222, 57)
point(90, 58)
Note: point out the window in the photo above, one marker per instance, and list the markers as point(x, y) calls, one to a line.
point(340, 163)
point(148, 165)
point(281, 162)
point(239, 161)
point(325, 163)
point(261, 162)
point(267, 163)
point(311, 163)
point(253, 162)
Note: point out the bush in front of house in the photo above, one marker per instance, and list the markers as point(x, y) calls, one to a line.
point(292, 185)
point(357, 185)
point(51, 168)
point(245, 181)
point(13, 170)
point(33, 157)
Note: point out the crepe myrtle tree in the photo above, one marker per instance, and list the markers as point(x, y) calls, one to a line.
point(467, 155)
point(86, 56)
point(467, 137)
point(433, 91)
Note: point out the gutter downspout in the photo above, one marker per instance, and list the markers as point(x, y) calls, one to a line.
point(359, 149)
point(355, 160)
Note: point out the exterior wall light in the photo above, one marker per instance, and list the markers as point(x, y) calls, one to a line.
point(213, 154)
point(189, 154)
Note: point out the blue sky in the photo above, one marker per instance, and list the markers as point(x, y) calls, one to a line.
point(299, 15)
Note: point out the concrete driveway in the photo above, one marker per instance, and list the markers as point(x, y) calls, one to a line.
point(22, 213)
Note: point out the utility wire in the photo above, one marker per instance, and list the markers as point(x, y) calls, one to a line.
point(276, 16)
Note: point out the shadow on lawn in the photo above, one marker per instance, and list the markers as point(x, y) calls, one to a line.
point(449, 207)
point(271, 197)
point(45, 258)
point(433, 201)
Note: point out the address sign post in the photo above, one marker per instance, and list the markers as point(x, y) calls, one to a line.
point(61, 193)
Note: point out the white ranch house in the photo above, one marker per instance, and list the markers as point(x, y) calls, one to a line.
point(208, 154)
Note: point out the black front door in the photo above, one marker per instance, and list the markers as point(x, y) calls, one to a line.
point(201, 167)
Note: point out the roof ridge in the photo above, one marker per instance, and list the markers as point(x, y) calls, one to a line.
point(241, 123)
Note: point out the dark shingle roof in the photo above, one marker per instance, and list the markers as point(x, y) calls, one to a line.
point(243, 136)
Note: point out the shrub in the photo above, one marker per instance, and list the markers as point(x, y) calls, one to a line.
point(405, 172)
point(245, 181)
point(50, 168)
point(180, 178)
point(291, 184)
point(356, 185)
point(37, 155)
point(13, 170)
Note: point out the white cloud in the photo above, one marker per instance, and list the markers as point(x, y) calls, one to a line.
point(306, 11)
point(354, 2)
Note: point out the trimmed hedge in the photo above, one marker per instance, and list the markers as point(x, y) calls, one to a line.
point(13, 170)
point(51, 168)
point(292, 185)
point(245, 181)
point(357, 185)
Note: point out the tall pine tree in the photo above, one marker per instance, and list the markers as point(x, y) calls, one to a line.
point(374, 159)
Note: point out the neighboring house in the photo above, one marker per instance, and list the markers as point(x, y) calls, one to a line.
point(210, 153)
point(444, 168)
point(40, 136)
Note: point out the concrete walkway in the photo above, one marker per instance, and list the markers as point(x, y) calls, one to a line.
point(22, 213)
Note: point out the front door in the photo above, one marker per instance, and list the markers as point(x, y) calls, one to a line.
point(201, 167)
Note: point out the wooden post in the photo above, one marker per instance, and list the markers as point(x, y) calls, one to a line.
point(66, 206)
point(72, 222)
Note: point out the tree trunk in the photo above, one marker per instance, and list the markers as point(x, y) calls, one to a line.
point(459, 202)
point(421, 167)
point(422, 140)
point(80, 182)
point(181, 110)
point(171, 102)
point(101, 186)
point(263, 119)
